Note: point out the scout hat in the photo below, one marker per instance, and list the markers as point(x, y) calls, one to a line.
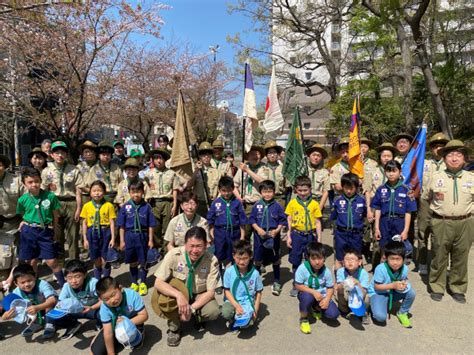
point(218, 144)
point(163, 152)
point(367, 141)
point(205, 147)
point(387, 146)
point(131, 163)
point(88, 144)
point(257, 148)
point(343, 141)
point(402, 135)
point(70, 305)
point(317, 148)
point(163, 304)
point(268, 243)
point(272, 145)
point(152, 257)
point(105, 147)
point(454, 144)
point(5, 160)
point(59, 145)
point(37, 150)
point(127, 333)
point(117, 142)
point(438, 138)
point(112, 255)
point(134, 153)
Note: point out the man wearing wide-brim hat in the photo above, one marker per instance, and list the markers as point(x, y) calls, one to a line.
point(402, 142)
point(106, 171)
point(319, 176)
point(340, 168)
point(218, 161)
point(164, 184)
point(431, 166)
point(88, 150)
point(275, 170)
point(131, 169)
point(66, 182)
point(450, 194)
point(185, 284)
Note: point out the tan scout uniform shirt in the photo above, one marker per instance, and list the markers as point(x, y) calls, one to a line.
point(442, 194)
point(11, 188)
point(84, 168)
point(206, 276)
point(222, 166)
point(162, 183)
point(251, 194)
point(110, 177)
point(212, 176)
point(373, 180)
point(275, 173)
point(399, 158)
point(123, 194)
point(369, 165)
point(430, 167)
point(319, 180)
point(337, 171)
point(71, 180)
point(179, 225)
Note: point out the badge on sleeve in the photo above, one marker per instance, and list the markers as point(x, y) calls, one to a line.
point(440, 183)
point(180, 267)
point(218, 205)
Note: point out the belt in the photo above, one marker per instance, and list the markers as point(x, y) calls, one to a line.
point(394, 215)
point(228, 228)
point(67, 198)
point(311, 232)
point(36, 225)
point(451, 218)
point(161, 199)
point(343, 229)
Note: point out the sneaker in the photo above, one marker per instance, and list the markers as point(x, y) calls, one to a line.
point(423, 269)
point(435, 296)
point(49, 331)
point(403, 318)
point(276, 289)
point(366, 320)
point(134, 287)
point(305, 327)
point(69, 333)
point(31, 329)
point(293, 292)
point(174, 338)
point(317, 315)
point(219, 291)
point(459, 297)
point(142, 289)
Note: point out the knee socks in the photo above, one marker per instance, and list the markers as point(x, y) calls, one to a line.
point(97, 272)
point(142, 272)
point(276, 272)
point(134, 274)
point(107, 270)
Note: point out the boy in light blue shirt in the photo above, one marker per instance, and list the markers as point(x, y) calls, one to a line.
point(242, 286)
point(315, 286)
point(390, 284)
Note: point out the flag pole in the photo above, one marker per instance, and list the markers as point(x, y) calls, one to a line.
point(301, 133)
point(244, 119)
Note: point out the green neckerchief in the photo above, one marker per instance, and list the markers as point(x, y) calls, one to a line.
point(106, 171)
point(33, 297)
point(350, 217)
point(249, 178)
point(265, 214)
point(97, 206)
point(160, 179)
point(137, 227)
point(218, 162)
point(61, 176)
point(345, 165)
point(273, 167)
point(455, 177)
point(87, 289)
point(313, 280)
point(307, 216)
point(228, 214)
point(37, 202)
point(384, 177)
point(393, 278)
point(243, 279)
point(121, 309)
point(438, 163)
point(189, 223)
point(391, 208)
point(191, 269)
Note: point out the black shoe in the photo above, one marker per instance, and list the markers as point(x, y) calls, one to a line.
point(459, 297)
point(174, 338)
point(219, 290)
point(69, 333)
point(436, 296)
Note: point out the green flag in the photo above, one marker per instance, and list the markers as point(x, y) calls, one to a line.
point(295, 163)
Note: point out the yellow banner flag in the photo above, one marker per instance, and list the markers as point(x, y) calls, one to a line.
point(356, 165)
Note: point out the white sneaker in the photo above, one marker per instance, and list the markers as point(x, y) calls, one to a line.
point(423, 269)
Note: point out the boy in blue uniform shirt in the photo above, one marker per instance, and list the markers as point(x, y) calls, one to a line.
point(83, 288)
point(390, 283)
point(352, 275)
point(116, 303)
point(393, 204)
point(226, 218)
point(136, 222)
point(41, 295)
point(349, 211)
point(315, 286)
point(267, 219)
point(304, 223)
point(242, 285)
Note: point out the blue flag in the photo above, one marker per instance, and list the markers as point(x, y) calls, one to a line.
point(412, 167)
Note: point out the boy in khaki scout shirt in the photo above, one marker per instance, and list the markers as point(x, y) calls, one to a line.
point(319, 176)
point(163, 194)
point(340, 168)
point(105, 171)
point(131, 168)
point(365, 146)
point(65, 181)
point(218, 161)
point(451, 197)
point(185, 284)
point(274, 170)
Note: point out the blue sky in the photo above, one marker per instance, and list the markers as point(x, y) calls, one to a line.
point(203, 23)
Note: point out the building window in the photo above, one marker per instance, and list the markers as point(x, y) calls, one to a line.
point(306, 125)
point(307, 92)
point(308, 75)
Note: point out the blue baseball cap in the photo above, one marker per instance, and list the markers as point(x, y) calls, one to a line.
point(268, 243)
point(243, 320)
point(69, 305)
point(356, 302)
point(8, 299)
point(127, 333)
point(152, 257)
point(112, 255)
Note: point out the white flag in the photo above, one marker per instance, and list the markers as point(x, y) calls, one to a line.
point(250, 108)
point(273, 118)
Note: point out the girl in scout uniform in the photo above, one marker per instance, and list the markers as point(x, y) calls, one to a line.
point(275, 170)
point(131, 168)
point(38, 159)
point(340, 168)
